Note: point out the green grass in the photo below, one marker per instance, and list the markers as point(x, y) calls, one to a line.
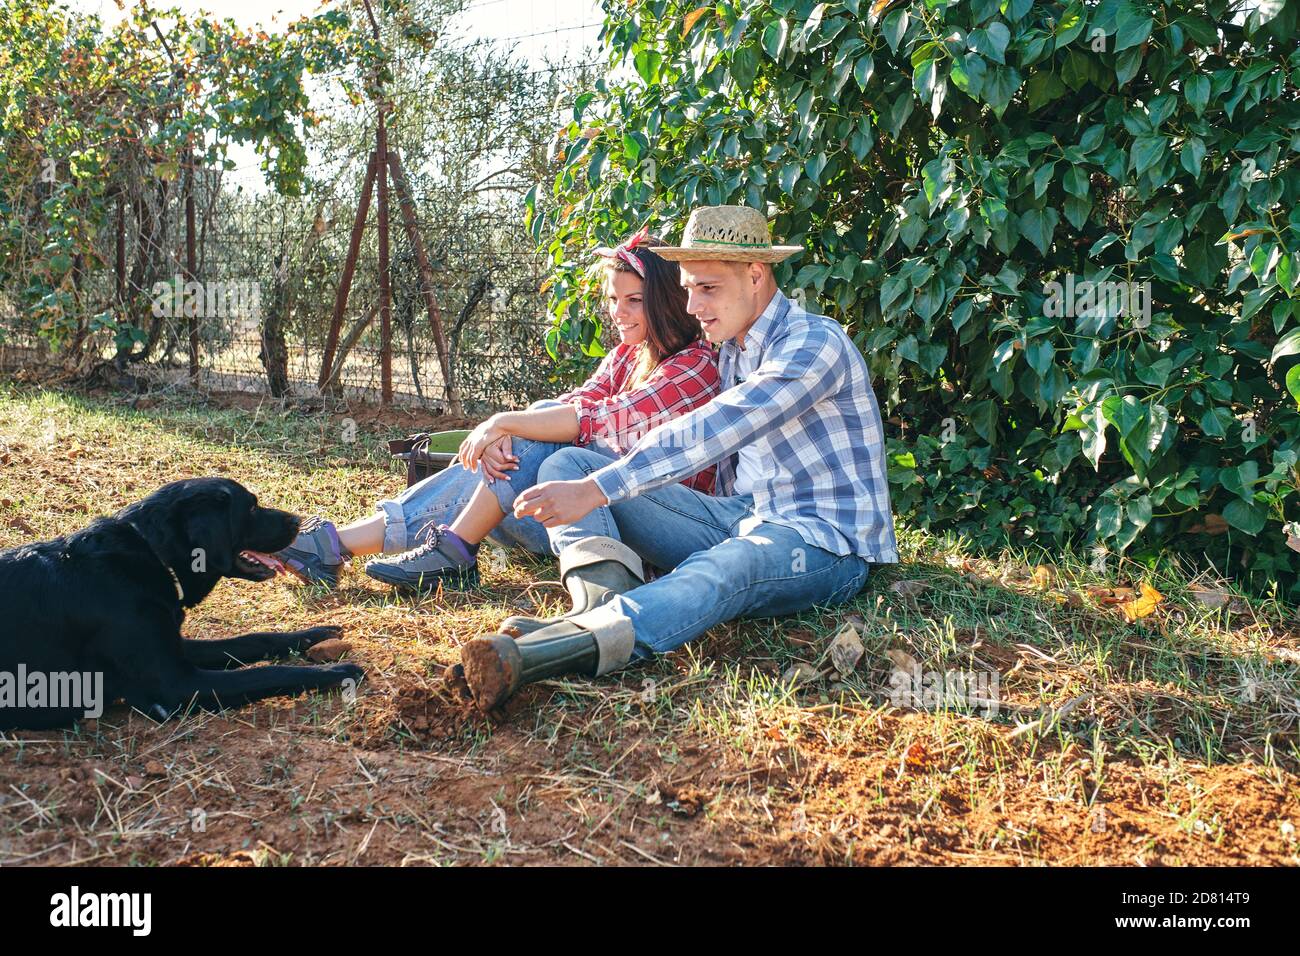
point(1177, 725)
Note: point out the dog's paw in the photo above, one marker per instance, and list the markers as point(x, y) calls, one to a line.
point(347, 672)
point(159, 713)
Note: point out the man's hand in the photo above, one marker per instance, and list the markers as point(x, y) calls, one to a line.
point(478, 441)
point(560, 502)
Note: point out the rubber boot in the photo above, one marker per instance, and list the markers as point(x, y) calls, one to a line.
point(594, 570)
point(590, 643)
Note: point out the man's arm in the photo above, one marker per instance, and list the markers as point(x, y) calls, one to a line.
point(801, 370)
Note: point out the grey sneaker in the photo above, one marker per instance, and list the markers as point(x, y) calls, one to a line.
point(438, 559)
point(316, 555)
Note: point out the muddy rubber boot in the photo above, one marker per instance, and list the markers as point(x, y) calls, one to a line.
point(594, 570)
point(591, 643)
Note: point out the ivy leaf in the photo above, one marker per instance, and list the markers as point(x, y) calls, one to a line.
point(1132, 28)
point(1070, 25)
point(991, 41)
point(1198, 92)
point(1146, 152)
point(984, 419)
point(894, 26)
point(647, 65)
point(816, 163)
point(1077, 210)
point(789, 176)
point(1293, 383)
point(1289, 344)
point(1245, 517)
point(1037, 225)
point(631, 149)
point(774, 37)
point(863, 69)
point(1000, 86)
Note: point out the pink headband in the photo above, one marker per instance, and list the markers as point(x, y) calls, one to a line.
point(624, 252)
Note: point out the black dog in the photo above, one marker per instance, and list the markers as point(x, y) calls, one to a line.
point(110, 600)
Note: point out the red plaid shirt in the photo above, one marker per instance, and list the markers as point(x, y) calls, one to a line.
point(619, 417)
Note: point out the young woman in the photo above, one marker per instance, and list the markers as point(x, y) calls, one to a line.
point(660, 369)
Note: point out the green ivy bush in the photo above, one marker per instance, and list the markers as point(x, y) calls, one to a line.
point(959, 174)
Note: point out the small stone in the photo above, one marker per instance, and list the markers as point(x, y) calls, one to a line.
point(327, 651)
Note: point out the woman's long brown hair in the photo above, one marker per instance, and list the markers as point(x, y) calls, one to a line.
point(669, 328)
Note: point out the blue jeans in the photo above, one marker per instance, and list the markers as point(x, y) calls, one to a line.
point(723, 561)
point(439, 498)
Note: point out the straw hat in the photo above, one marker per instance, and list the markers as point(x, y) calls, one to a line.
point(729, 234)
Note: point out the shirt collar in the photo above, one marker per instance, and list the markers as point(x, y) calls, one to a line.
point(758, 332)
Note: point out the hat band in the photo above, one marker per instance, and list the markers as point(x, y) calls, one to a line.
point(723, 242)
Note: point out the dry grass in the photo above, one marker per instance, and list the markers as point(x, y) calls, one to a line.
point(1168, 740)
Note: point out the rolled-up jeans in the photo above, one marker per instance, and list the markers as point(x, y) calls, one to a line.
point(724, 561)
point(438, 499)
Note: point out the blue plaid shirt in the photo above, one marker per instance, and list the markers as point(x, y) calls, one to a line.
point(809, 410)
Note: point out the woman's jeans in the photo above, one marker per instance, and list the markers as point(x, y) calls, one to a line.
point(438, 499)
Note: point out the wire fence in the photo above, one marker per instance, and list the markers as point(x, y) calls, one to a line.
point(235, 290)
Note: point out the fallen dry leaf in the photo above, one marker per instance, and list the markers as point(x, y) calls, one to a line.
point(1213, 524)
point(690, 18)
point(901, 659)
point(800, 673)
point(846, 649)
point(1211, 598)
point(1110, 596)
point(907, 589)
point(1143, 606)
point(1292, 531)
point(20, 524)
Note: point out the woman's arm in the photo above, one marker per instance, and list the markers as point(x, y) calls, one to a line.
point(557, 423)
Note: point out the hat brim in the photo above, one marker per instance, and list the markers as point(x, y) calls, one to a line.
point(697, 254)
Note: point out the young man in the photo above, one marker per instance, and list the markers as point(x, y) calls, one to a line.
point(802, 504)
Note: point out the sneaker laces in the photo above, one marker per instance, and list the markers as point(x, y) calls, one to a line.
point(317, 523)
point(314, 523)
point(433, 538)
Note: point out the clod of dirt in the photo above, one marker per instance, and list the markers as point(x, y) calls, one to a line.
point(438, 711)
point(686, 800)
point(155, 769)
point(328, 651)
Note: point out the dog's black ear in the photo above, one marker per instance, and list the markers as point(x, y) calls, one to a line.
point(210, 529)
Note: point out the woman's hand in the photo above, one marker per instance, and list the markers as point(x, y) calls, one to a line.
point(478, 441)
point(560, 502)
point(499, 459)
